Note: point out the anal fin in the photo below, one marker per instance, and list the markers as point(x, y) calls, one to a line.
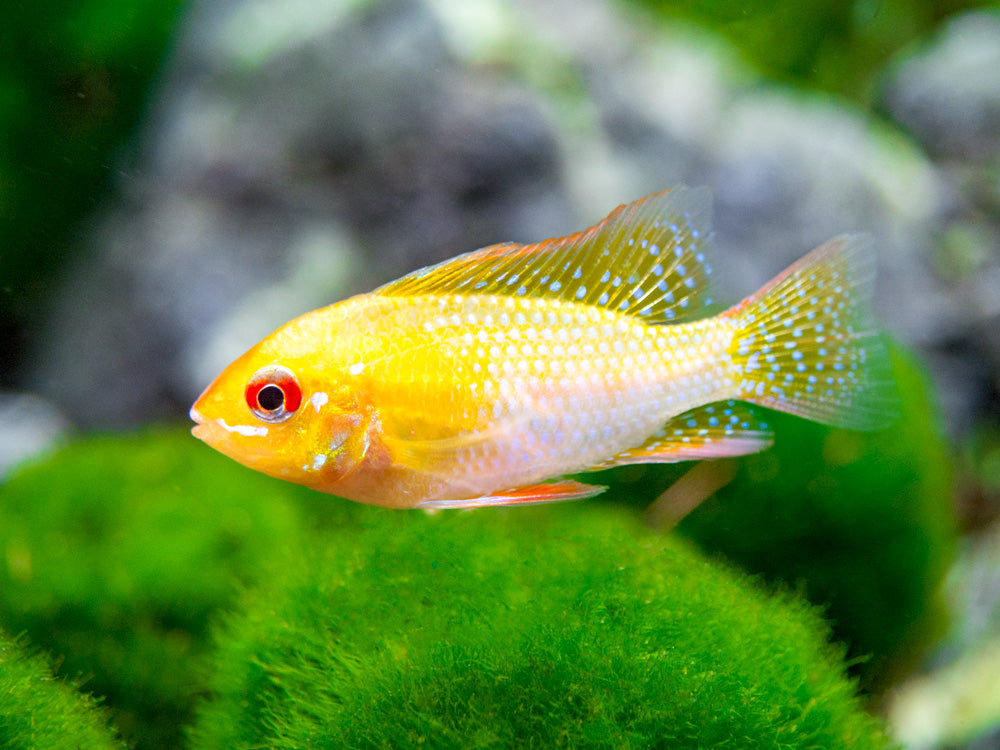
point(550, 492)
point(719, 430)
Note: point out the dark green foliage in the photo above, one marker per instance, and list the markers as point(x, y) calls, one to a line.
point(827, 44)
point(115, 553)
point(538, 627)
point(73, 78)
point(864, 521)
point(39, 712)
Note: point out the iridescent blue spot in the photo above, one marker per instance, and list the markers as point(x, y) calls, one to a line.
point(681, 270)
point(689, 283)
point(692, 423)
point(603, 300)
point(522, 290)
point(577, 273)
point(581, 292)
point(555, 286)
point(654, 250)
point(678, 251)
point(673, 228)
point(658, 269)
point(605, 276)
point(623, 305)
point(695, 233)
point(662, 285)
point(638, 292)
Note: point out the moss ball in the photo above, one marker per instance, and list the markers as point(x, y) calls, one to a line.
point(116, 551)
point(544, 627)
point(37, 711)
point(863, 522)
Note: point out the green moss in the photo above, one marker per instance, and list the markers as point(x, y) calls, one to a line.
point(863, 521)
point(837, 46)
point(37, 711)
point(115, 553)
point(539, 627)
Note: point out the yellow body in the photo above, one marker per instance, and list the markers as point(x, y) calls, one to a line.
point(472, 382)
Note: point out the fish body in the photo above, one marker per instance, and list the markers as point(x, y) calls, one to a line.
point(474, 381)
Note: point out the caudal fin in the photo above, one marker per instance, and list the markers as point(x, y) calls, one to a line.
point(806, 343)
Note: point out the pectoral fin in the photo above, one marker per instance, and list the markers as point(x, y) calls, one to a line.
point(550, 492)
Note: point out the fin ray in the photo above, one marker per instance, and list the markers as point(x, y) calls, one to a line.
point(550, 492)
point(645, 259)
point(807, 345)
point(718, 430)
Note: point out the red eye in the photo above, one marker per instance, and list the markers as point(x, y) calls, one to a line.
point(273, 394)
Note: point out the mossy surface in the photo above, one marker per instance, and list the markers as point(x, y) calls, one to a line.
point(37, 711)
point(116, 552)
point(536, 627)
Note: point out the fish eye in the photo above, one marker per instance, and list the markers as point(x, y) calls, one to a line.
point(273, 394)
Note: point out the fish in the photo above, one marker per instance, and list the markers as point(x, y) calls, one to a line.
point(486, 379)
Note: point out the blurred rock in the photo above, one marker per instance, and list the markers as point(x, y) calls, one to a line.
point(28, 426)
point(282, 135)
point(295, 155)
point(947, 93)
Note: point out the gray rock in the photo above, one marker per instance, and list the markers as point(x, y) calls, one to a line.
point(348, 130)
point(29, 425)
point(948, 93)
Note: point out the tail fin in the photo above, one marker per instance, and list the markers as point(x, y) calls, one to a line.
point(806, 344)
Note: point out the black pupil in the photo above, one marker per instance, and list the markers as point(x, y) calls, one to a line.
point(271, 398)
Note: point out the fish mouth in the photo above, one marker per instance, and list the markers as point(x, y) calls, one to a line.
point(200, 429)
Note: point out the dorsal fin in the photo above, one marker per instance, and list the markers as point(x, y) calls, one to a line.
point(646, 259)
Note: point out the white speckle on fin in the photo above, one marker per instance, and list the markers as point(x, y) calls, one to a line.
point(660, 286)
point(717, 430)
point(819, 340)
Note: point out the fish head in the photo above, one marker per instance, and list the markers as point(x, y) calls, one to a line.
point(276, 411)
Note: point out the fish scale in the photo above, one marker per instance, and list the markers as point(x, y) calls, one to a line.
point(472, 382)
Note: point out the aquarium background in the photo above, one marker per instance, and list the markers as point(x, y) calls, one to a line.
point(178, 179)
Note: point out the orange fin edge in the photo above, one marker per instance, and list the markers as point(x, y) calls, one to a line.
point(532, 494)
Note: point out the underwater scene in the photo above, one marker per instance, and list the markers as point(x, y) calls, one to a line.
point(500, 373)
